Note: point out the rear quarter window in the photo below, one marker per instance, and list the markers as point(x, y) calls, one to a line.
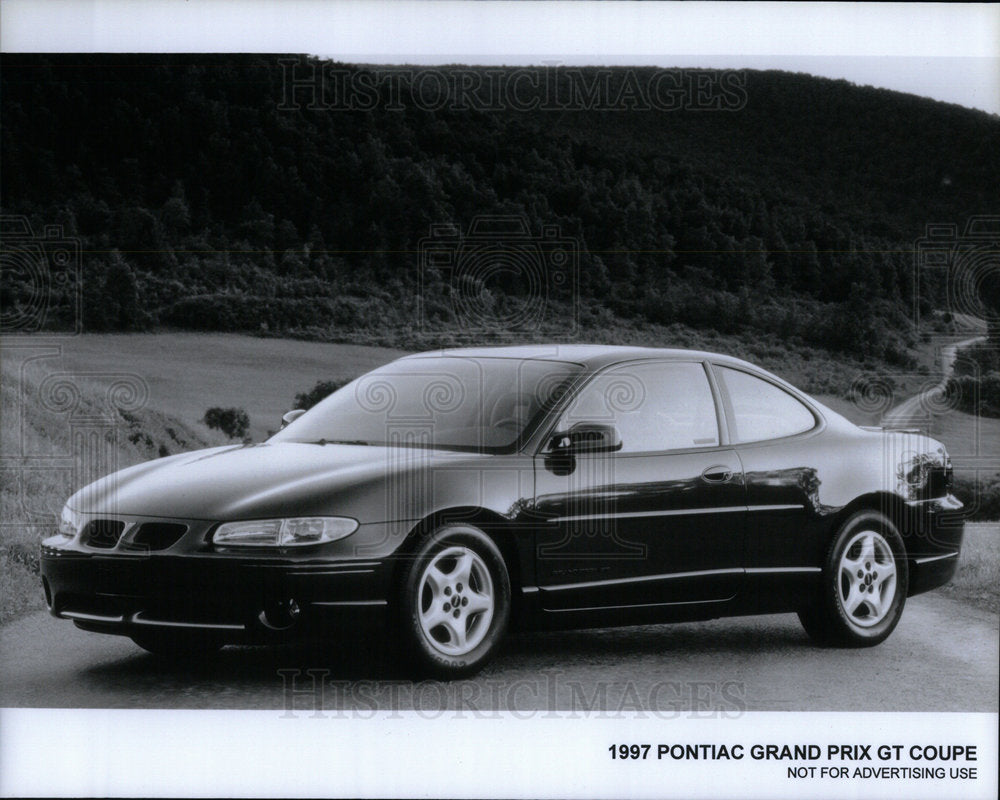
point(759, 410)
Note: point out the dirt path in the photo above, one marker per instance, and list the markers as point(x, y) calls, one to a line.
point(911, 413)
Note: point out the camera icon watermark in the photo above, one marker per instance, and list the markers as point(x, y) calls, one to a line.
point(950, 407)
point(499, 276)
point(40, 276)
point(959, 270)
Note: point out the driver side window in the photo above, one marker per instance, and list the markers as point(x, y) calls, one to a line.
point(655, 406)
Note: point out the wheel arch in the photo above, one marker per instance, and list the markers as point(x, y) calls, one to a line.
point(890, 505)
point(826, 617)
point(490, 522)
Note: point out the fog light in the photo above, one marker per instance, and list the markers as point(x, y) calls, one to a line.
point(280, 614)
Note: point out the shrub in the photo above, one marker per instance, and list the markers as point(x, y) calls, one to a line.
point(977, 395)
point(320, 391)
point(234, 422)
point(981, 498)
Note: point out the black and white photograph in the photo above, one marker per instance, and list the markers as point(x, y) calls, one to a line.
point(450, 398)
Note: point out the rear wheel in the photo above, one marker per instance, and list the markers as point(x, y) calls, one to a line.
point(177, 644)
point(864, 584)
point(455, 601)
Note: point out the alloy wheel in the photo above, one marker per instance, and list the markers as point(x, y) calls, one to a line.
point(456, 601)
point(867, 579)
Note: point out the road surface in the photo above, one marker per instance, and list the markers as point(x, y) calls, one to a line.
point(942, 657)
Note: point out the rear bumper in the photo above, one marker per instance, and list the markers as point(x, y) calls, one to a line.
point(931, 572)
point(933, 538)
point(238, 600)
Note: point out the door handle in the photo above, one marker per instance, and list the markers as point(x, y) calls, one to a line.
point(719, 473)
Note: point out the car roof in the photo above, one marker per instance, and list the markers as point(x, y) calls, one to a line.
point(593, 356)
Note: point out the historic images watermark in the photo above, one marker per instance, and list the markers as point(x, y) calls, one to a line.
point(311, 693)
point(309, 84)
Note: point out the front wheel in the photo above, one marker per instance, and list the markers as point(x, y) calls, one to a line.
point(455, 601)
point(864, 584)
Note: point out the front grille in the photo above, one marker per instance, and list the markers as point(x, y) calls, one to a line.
point(103, 533)
point(157, 535)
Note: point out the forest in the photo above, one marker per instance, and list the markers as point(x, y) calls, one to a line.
point(193, 195)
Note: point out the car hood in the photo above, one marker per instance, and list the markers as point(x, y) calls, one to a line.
point(258, 481)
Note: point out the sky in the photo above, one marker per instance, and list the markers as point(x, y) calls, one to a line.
point(947, 51)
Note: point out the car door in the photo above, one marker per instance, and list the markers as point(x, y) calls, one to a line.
point(773, 433)
point(660, 520)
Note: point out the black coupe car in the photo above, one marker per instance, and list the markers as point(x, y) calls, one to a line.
point(451, 495)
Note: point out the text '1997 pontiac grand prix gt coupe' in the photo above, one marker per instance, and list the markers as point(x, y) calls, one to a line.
point(448, 496)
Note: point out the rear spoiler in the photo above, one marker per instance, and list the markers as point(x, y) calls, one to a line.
point(881, 428)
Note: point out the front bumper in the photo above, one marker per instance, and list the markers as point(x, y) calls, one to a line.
point(239, 597)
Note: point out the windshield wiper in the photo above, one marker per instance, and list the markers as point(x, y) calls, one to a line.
point(341, 441)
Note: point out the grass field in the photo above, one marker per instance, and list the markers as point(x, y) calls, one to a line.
point(978, 578)
point(186, 373)
point(971, 440)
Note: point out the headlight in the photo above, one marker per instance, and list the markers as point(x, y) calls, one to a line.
point(284, 532)
point(69, 522)
point(69, 525)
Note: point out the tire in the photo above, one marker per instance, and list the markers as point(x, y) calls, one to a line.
point(178, 645)
point(864, 584)
point(445, 639)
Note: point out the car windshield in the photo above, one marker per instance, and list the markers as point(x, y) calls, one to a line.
point(472, 404)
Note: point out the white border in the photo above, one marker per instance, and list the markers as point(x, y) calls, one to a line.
point(502, 28)
point(262, 754)
point(252, 754)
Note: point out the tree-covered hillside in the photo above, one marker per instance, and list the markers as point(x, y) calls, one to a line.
point(200, 202)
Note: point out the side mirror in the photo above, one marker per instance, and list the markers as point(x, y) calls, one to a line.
point(290, 416)
point(587, 437)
